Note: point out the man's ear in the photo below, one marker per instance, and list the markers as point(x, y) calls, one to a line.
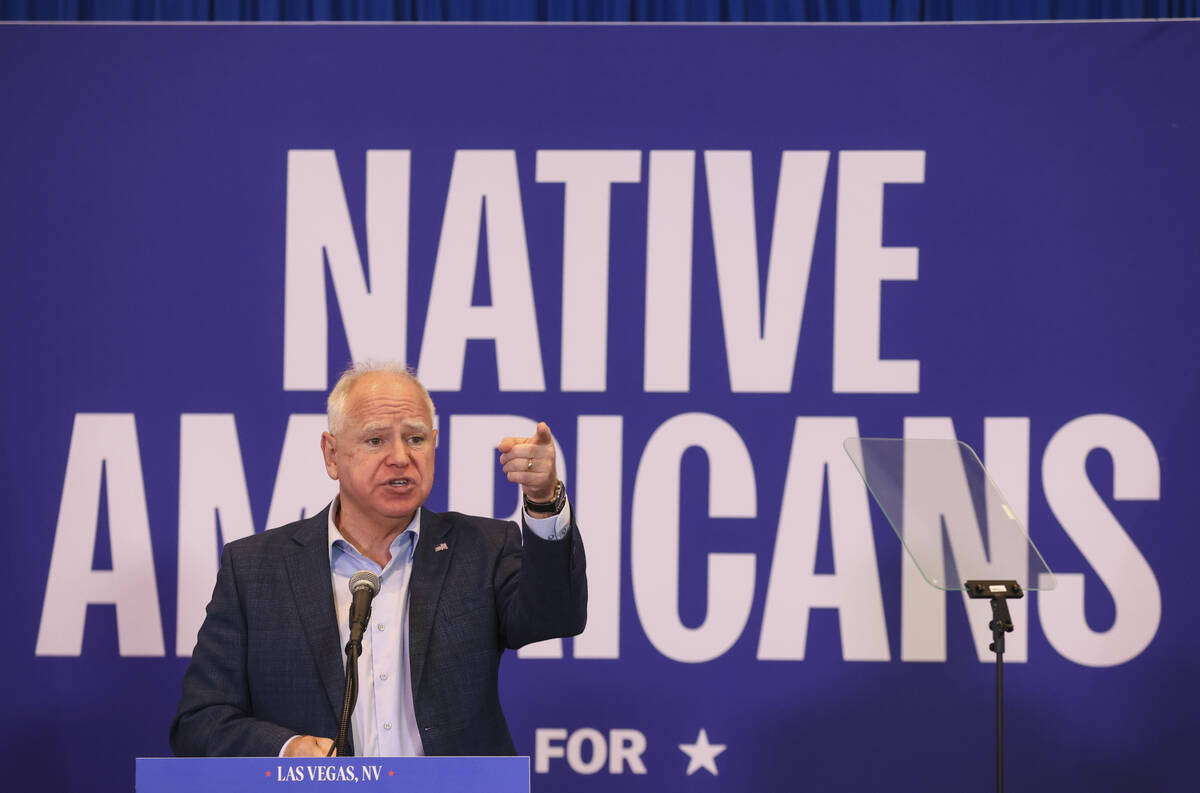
point(329, 452)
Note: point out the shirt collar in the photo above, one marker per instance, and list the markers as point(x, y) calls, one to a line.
point(333, 536)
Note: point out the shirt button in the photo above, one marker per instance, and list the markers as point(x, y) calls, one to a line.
point(387, 725)
point(383, 676)
point(379, 627)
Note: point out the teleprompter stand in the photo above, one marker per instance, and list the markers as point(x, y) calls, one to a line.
point(999, 593)
point(959, 530)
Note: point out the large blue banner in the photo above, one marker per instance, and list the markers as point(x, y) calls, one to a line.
point(705, 256)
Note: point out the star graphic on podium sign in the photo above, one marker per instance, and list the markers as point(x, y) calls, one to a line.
point(702, 754)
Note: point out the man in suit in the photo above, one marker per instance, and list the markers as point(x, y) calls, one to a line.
point(266, 677)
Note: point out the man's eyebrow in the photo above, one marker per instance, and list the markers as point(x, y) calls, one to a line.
point(413, 425)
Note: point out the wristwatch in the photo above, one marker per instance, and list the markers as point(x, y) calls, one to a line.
point(553, 506)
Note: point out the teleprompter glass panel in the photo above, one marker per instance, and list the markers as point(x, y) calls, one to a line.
point(948, 513)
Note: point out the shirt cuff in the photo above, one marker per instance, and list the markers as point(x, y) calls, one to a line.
point(554, 527)
point(283, 749)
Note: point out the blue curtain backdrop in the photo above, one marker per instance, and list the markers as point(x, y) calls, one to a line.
point(1039, 181)
point(594, 10)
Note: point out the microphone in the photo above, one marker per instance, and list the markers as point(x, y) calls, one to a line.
point(364, 586)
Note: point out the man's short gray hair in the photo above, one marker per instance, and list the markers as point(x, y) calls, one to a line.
point(335, 406)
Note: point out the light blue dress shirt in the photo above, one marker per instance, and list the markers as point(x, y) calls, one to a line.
point(383, 720)
point(384, 723)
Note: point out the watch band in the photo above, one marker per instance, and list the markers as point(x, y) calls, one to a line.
point(553, 506)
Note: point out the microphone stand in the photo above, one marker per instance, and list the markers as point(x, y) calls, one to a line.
point(353, 651)
point(364, 585)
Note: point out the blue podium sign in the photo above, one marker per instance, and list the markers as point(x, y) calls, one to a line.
point(259, 774)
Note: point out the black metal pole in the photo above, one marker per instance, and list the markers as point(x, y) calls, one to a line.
point(998, 646)
point(353, 650)
point(999, 593)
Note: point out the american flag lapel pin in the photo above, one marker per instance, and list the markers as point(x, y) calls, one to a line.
point(441, 546)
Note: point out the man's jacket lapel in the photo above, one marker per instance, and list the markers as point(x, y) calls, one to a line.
point(430, 563)
point(308, 573)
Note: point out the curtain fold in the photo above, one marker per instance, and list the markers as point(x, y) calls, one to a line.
point(592, 10)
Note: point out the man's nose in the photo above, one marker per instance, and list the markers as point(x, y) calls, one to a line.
point(398, 454)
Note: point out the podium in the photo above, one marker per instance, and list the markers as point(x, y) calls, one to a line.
point(364, 774)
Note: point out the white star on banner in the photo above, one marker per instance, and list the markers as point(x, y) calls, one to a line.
point(702, 754)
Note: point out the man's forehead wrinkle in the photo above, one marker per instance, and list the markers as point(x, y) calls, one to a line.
point(390, 407)
point(380, 412)
point(384, 424)
point(384, 398)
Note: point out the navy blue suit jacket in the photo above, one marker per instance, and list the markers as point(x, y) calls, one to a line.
point(268, 662)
